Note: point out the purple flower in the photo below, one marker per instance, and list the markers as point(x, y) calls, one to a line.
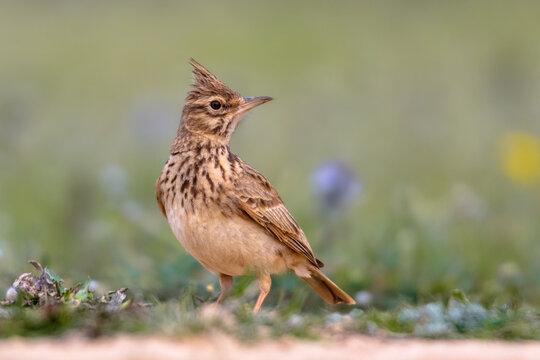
point(363, 297)
point(336, 185)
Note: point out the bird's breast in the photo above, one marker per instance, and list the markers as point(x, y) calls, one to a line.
point(226, 244)
point(196, 194)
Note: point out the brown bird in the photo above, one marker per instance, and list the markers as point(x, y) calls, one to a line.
point(225, 213)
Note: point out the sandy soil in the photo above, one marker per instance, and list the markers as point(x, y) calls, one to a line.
point(220, 347)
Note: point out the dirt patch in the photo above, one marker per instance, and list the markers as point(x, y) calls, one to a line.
point(220, 347)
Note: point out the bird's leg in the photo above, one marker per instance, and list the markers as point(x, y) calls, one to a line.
point(226, 283)
point(265, 282)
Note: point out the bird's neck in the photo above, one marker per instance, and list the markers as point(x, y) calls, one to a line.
point(188, 140)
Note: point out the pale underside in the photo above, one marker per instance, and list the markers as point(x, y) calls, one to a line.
point(231, 245)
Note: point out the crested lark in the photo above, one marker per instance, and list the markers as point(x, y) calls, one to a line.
point(225, 213)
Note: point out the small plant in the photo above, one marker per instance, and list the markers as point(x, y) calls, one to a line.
point(47, 289)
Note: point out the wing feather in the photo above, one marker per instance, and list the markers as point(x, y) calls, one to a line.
point(257, 198)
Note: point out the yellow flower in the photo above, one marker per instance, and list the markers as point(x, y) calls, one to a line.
point(210, 288)
point(521, 157)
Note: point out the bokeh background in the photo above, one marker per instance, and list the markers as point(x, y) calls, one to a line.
point(404, 137)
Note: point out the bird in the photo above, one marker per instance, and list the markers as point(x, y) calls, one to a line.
point(225, 213)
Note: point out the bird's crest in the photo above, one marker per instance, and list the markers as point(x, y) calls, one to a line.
point(207, 83)
point(201, 75)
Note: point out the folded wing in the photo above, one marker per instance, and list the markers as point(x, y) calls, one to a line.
point(257, 198)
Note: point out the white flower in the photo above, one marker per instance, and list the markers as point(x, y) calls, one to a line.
point(333, 318)
point(296, 320)
point(93, 285)
point(11, 295)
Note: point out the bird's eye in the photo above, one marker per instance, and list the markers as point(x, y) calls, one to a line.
point(215, 105)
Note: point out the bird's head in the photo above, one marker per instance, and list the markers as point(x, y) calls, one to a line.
point(212, 109)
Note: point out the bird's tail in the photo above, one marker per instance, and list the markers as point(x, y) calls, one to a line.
point(326, 288)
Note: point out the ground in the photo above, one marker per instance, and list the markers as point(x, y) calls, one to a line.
point(222, 347)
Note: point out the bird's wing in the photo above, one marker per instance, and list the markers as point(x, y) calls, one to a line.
point(257, 198)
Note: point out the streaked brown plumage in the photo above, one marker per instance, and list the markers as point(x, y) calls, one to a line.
point(225, 213)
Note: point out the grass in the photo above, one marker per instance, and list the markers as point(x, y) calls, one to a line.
point(43, 306)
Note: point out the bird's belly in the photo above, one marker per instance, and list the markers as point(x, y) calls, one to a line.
point(227, 244)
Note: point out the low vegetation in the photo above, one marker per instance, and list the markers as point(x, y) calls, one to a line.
point(42, 304)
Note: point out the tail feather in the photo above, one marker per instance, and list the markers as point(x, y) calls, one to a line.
point(326, 288)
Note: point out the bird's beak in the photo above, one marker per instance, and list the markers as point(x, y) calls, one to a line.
point(251, 102)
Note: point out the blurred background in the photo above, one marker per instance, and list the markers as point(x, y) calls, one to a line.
point(404, 137)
